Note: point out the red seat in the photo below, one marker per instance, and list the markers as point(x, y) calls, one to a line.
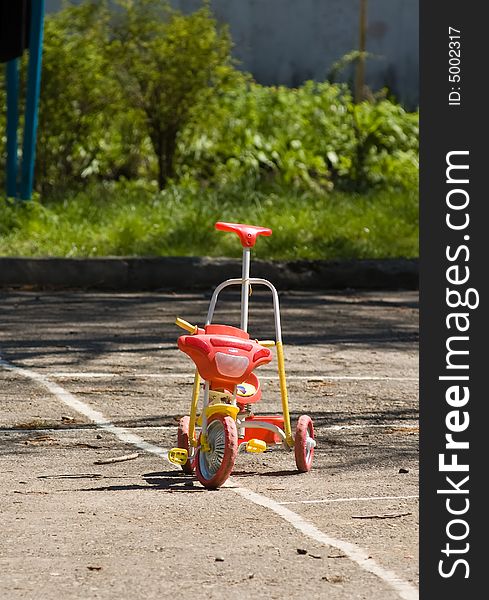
point(247, 233)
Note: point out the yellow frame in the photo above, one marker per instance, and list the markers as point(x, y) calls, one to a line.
point(226, 409)
point(283, 394)
point(193, 410)
point(233, 410)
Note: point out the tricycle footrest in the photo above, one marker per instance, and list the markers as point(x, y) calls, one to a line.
point(178, 456)
point(255, 446)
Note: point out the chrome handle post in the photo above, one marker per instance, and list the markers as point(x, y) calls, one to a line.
point(245, 288)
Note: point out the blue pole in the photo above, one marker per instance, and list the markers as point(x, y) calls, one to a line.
point(12, 125)
point(32, 100)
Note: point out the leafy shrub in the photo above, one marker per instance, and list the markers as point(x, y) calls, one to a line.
point(313, 137)
point(146, 92)
point(169, 63)
point(116, 91)
point(386, 148)
point(84, 127)
point(261, 132)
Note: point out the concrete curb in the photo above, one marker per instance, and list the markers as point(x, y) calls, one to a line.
point(190, 273)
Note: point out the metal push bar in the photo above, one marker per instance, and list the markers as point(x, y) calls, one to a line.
point(245, 283)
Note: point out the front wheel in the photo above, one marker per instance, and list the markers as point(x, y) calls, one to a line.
point(304, 444)
point(212, 468)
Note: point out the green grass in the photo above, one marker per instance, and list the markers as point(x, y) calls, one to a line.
point(134, 220)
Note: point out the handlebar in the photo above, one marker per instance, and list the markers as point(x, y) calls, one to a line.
point(266, 343)
point(186, 325)
point(193, 329)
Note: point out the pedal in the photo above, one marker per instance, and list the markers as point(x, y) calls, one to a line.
point(178, 456)
point(255, 446)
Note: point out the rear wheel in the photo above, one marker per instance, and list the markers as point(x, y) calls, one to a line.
point(183, 442)
point(304, 444)
point(215, 466)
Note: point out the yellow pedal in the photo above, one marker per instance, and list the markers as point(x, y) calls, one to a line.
point(178, 456)
point(255, 446)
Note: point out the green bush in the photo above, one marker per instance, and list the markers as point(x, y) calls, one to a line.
point(313, 137)
point(386, 145)
point(147, 93)
point(260, 133)
point(85, 126)
point(168, 64)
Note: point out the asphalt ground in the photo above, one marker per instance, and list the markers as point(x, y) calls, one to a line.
point(90, 376)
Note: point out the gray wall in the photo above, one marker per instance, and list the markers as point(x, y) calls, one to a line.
point(290, 41)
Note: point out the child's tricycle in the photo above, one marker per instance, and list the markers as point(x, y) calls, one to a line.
point(225, 358)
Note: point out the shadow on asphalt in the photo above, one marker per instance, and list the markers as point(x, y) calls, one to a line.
point(320, 418)
point(84, 323)
point(282, 473)
point(172, 481)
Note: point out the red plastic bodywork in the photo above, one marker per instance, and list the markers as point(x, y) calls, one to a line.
point(264, 434)
point(255, 382)
point(224, 345)
point(231, 341)
point(247, 233)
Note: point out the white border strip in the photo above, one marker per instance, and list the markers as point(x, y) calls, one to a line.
point(66, 427)
point(77, 405)
point(365, 499)
point(361, 557)
point(165, 376)
point(405, 590)
point(414, 425)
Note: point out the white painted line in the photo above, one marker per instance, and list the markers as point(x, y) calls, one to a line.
point(189, 377)
point(365, 499)
point(314, 378)
point(355, 553)
point(83, 427)
point(394, 425)
point(86, 410)
point(361, 557)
